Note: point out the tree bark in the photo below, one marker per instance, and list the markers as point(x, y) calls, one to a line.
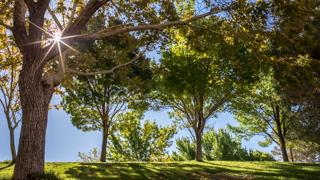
point(35, 98)
point(281, 134)
point(12, 141)
point(12, 146)
point(198, 146)
point(283, 149)
point(291, 154)
point(105, 135)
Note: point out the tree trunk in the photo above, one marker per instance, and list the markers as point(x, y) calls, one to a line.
point(12, 145)
point(281, 133)
point(104, 145)
point(35, 98)
point(291, 154)
point(198, 146)
point(283, 150)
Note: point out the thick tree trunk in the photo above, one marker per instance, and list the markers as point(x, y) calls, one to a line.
point(35, 98)
point(104, 145)
point(12, 145)
point(283, 150)
point(198, 146)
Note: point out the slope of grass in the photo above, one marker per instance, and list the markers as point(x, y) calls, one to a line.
point(180, 170)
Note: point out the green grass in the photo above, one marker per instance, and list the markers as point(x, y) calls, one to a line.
point(180, 170)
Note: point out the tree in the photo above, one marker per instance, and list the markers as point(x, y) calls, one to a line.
point(195, 94)
point(95, 101)
point(197, 79)
point(31, 36)
point(218, 145)
point(262, 111)
point(91, 157)
point(295, 50)
point(133, 141)
point(10, 63)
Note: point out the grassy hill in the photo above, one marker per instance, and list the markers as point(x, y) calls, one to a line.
point(180, 170)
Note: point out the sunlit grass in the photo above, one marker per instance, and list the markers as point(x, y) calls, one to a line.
point(180, 170)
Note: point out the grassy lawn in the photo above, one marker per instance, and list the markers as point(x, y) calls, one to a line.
point(180, 170)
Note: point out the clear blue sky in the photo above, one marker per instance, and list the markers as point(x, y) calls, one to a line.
point(64, 141)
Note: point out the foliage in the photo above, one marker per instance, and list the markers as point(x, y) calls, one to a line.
point(259, 156)
point(90, 99)
point(91, 157)
point(10, 65)
point(301, 151)
point(133, 141)
point(218, 145)
point(295, 50)
point(263, 112)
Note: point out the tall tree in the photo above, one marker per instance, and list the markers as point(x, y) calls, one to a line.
point(295, 48)
point(95, 101)
point(31, 36)
point(195, 85)
point(262, 111)
point(206, 65)
point(10, 63)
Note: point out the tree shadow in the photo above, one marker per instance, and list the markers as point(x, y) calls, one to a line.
point(285, 170)
point(147, 171)
point(7, 166)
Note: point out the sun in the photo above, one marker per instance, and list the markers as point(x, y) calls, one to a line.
point(56, 36)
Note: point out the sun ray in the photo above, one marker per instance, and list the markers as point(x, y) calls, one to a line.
point(49, 50)
point(73, 36)
point(37, 42)
point(61, 58)
point(48, 33)
point(70, 47)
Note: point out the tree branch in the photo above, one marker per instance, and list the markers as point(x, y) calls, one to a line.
point(114, 31)
point(56, 20)
point(71, 71)
point(19, 24)
point(79, 23)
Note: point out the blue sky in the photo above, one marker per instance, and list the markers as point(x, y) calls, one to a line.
point(64, 141)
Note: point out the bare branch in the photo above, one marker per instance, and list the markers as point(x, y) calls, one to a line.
point(73, 12)
point(216, 106)
point(56, 20)
point(71, 71)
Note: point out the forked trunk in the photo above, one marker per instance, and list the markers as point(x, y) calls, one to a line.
point(35, 98)
point(12, 145)
point(198, 146)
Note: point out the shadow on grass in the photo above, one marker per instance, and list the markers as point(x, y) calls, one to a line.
point(284, 170)
point(149, 171)
point(7, 166)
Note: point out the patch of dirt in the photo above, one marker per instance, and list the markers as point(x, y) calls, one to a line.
point(221, 176)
